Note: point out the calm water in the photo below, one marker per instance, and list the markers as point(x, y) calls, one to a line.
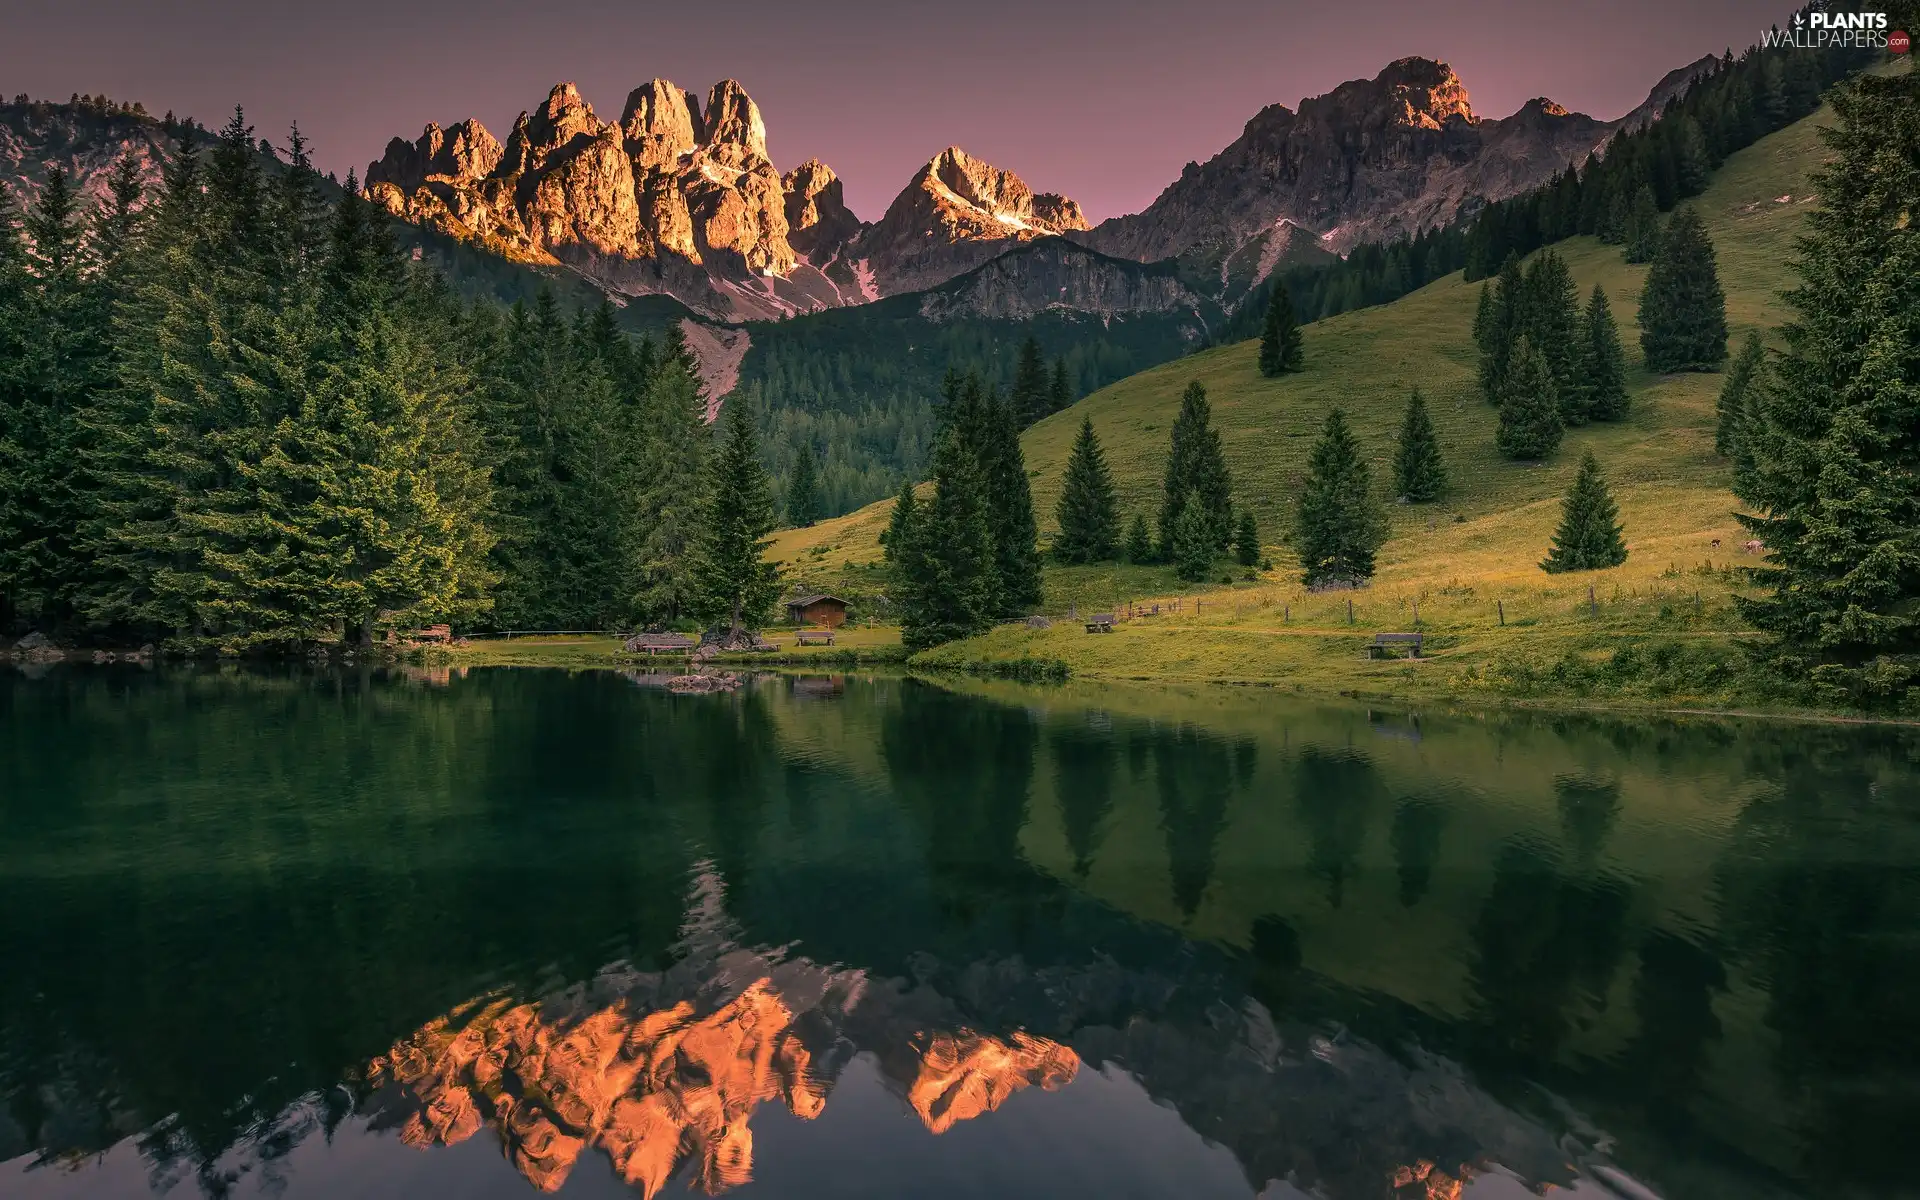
point(302, 935)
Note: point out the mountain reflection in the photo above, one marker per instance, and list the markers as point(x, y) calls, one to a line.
point(662, 1069)
point(292, 910)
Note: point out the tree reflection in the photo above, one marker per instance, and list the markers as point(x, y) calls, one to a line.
point(1417, 823)
point(1588, 809)
point(1194, 774)
point(1085, 762)
point(1336, 795)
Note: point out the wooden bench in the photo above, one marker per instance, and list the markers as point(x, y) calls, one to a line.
point(815, 637)
point(1100, 623)
point(651, 644)
point(1383, 644)
point(434, 633)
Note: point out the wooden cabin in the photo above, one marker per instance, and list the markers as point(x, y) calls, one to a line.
point(817, 609)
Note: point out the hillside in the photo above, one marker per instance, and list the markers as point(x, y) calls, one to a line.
point(1482, 541)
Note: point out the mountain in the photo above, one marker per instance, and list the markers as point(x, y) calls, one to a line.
point(670, 199)
point(1372, 160)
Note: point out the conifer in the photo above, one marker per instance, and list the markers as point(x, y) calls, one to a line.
point(1338, 526)
point(1030, 398)
point(675, 411)
point(1603, 362)
point(1683, 312)
point(1060, 391)
point(1280, 342)
point(1550, 318)
point(1495, 336)
point(1196, 465)
point(945, 574)
point(1589, 535)
point(1139, 548)
point(994, 440)
point(1834, 436)
point(1643, 228)
point(734, 586)
point(1419, 475)
point(897, 539)
point(1193, 543)
point(1089, 522)
point(1246, 540)
point(1530, 425)
point(1613, 230)
point(1730, 409)
point(803, 496)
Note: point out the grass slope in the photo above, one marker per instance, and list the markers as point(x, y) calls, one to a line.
point(1458, 559)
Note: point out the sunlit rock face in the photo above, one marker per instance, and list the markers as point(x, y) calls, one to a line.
point(662, 1071)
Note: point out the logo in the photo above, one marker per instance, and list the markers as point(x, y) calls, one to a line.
point(1899, 43)
point(1821, 30)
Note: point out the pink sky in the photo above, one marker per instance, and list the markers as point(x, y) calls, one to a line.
point(1103, 102)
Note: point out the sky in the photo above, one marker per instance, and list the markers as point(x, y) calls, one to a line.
point(1104, 102)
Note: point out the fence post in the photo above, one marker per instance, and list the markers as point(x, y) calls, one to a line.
point(1349, 610)
point(1593, 606)
point(1502, 606)
point(1286, 613)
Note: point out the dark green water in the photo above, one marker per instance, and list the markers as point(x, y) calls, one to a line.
point(303, 935)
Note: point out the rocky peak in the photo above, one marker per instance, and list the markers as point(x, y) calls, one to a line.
point(734, 119)
point(999, 194)
point(818, 220)
point(563, 118)
point(1419, 93)
point(661, 123)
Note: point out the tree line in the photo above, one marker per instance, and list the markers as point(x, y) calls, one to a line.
point(236, 416)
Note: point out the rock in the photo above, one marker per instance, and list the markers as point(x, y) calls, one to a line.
point(37, 647)
point(34, 641)
point(955, 214)
point(734, 119)
point(661, 123)
point(702, 683)
point(819, 223)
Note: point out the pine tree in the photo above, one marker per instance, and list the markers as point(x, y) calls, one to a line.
point(1506, 319)
point(1031, 385)
point(1339, 526)
point(803, 495)
point(1530, 426)
point(1589, 535)
point(734, 586)
point(1060, 391)
point(1683, 312)
point(1835, 434)
point(1196, 465)
point(1483, 319)
point(896, 540)
point(1193, 544)
point(1613, 230)
point(1246, 540)
point(1419, 475)
point(675, 409)
point(1730, 410)
point(1550, 318)
point(1603, 362)
point(1089, 522)
point(994, 441)
point(944, 576)
point(1280, 342)
point(1643, 229)
point(1139, 548)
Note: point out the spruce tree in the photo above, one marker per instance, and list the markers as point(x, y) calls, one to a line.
point(1196, 465)
point(1339, 526)
point(675, 409)
point(896, 540)
point(1060, 391)
point(944, 576)
point(1530, 425)
point(1589, 535)
point(803, 497)
point(1613, 230)
point(995, 445)
point(1603, 361)
point(1643, 228)
point(1683, 312)
point(1139, 548)
point(1550, 319)
point(1246, 540)
point(1505, 321)
point(1730, 410)
point(1031, 385)
point(734, 586)
point(1280, 342)
point(1089, 522)
point(1193, 544)
point(1834, 435)
point(1419, 475)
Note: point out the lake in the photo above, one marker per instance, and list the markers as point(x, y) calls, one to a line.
point(437, 934)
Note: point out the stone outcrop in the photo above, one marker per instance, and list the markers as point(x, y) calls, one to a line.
point(662, 200)
point(1055, 273)
point(957, 213)
point(1372, 160)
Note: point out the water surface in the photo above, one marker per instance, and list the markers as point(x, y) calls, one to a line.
point(303, 934)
